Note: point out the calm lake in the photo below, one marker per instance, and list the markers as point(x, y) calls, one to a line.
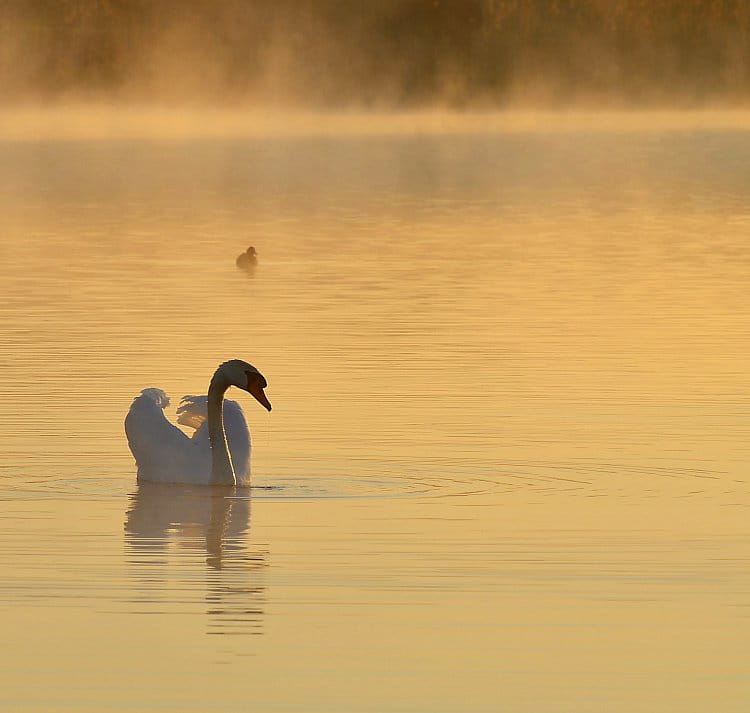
point(507, 466)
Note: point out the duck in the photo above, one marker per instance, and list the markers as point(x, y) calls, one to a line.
point(248, 259)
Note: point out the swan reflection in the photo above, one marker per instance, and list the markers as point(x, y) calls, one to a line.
point(166, 525)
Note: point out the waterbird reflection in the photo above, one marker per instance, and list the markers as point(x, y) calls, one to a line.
point(247, 260)
point(166, 524)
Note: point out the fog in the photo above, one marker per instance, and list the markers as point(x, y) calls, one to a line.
point(378, 56)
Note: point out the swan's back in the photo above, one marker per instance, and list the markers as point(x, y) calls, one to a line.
point(162, 451)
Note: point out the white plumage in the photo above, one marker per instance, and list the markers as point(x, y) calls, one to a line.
point(165, 454)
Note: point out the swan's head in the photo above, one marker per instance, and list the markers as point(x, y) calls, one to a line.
point(246, 377)
point(251, 251)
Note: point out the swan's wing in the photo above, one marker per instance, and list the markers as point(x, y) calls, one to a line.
point(161, 450)
point(193, 412)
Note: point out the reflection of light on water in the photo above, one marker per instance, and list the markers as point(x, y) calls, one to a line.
point(92, 121)
point(165, 525)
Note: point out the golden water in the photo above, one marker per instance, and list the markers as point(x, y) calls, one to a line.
point(507, 465)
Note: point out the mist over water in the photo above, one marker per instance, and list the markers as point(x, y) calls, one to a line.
point(389, 54)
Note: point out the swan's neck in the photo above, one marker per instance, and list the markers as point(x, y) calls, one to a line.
point(222, 472)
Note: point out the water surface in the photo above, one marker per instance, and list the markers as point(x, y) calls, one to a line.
point(507, 463)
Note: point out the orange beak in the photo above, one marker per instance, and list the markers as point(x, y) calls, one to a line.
point(260, 396)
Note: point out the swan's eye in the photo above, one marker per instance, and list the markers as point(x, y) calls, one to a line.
point(254, 376)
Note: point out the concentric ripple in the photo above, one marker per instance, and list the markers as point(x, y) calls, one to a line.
point(337, 488)
point(412, 480)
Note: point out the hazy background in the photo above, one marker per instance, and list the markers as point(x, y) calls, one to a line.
point(383, 54)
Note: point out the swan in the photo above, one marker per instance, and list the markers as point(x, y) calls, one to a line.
point(248, 259)
point(218, 452)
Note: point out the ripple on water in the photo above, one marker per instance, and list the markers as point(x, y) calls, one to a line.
point(337, 488)
point(265, 488)
point(287, 488)
point(445, 480)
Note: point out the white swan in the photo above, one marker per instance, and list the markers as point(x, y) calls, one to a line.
point(219, 451)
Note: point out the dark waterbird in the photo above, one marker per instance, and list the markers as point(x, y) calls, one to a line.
point(248, 259)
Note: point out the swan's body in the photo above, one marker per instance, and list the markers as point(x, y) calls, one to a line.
point(248, 259)
point(218, 452)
